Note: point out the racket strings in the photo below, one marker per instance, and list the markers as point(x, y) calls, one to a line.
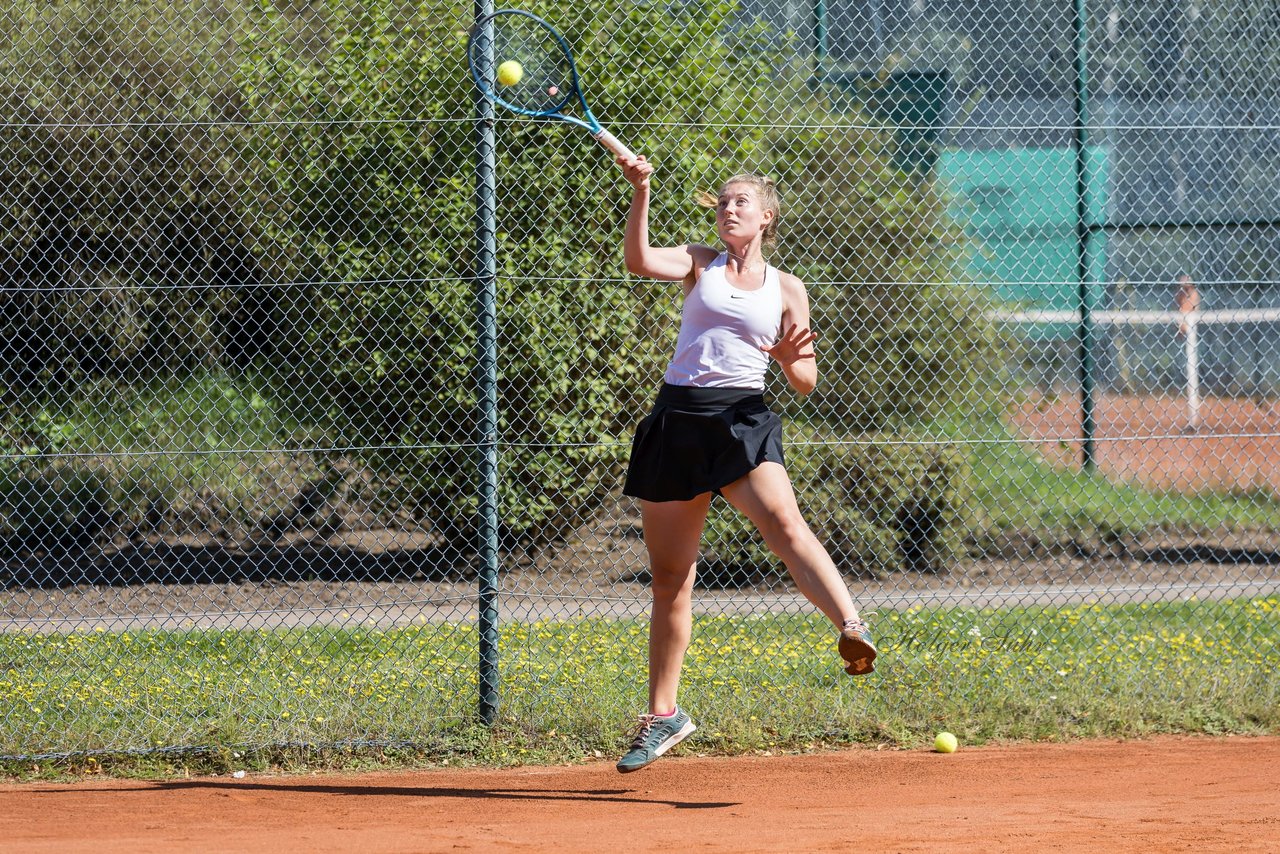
point(547, 81)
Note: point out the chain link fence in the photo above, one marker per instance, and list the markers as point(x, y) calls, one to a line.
point(239, 446)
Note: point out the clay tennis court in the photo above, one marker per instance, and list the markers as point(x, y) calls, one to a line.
point(1234, 448)
point(1164, 794)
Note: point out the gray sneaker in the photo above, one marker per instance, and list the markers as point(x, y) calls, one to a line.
point(654, 737)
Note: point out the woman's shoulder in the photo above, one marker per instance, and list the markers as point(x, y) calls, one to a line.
point(794, 297)
point(703, 255)
point(789, 282)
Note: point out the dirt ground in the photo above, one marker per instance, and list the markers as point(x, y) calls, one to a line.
point(1165, 794)
point(601, 572)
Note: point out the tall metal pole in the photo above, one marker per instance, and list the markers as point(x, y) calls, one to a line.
point(1079, 143)
point(486, 379)
point(877, 27)
point(819, 35)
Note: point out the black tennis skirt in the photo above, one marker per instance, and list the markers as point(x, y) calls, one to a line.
point(697, 440)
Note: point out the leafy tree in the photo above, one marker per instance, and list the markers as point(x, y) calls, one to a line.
point(368, 203)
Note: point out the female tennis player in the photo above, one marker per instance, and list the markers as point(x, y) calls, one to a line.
point(710, 432)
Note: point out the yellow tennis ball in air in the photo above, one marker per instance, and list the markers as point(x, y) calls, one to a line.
point(945, 742)
point(510, 73)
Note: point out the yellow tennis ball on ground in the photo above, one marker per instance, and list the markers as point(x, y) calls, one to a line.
point(945, 742)
point(510, 73)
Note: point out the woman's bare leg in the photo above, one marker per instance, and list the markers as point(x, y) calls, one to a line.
point(765, 496)
point(672, 535)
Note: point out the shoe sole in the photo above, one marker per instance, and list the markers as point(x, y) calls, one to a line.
point(859, 655)
point(685, 732)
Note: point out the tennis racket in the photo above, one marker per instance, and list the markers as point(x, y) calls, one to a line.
point(541, 79)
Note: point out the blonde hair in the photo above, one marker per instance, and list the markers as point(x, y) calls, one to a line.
point(767, 193)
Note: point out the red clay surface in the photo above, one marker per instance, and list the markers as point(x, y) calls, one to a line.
point(1235, 447)
point(1166, 794)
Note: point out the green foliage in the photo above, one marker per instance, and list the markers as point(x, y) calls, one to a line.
point(54, 507)
point(878, 504)
point(377, 191)
point(897, 354)
point(323, 153)
point(119, 221)
point(90, 473)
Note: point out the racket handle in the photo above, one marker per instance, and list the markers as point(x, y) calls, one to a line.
point(610, 142)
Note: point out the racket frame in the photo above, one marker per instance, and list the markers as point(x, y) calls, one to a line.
point(588, 122)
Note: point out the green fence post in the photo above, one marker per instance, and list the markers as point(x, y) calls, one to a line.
point(486, 378)
point(1079, 141)
point(819, 35)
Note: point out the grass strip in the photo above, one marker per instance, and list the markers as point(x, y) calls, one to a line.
point(343, 697)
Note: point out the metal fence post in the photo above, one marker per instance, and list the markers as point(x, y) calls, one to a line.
point(486, 376)
point(819, 35)
point(1079, 141)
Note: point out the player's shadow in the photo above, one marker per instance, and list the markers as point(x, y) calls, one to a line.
point(480, 793)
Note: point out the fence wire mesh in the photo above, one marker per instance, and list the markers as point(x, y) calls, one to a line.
point(239, 500)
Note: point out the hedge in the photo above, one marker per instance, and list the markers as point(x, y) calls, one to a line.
point(879, 504)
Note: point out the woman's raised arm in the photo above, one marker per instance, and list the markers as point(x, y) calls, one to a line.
point(673, 263)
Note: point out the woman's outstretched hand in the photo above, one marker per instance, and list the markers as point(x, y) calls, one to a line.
point(787, 349)
point(637, 171)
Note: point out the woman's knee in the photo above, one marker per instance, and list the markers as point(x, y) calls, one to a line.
point(669, 581)
point(786, 536)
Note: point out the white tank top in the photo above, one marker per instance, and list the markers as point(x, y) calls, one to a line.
point(722, 329)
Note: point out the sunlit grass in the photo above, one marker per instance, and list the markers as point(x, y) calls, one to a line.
point(568, 688)
point(1015, 489)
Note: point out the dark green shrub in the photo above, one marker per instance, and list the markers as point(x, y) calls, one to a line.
point(879, 504)
point(346, 203)
point(375, 205)
point(53, 509)
point(120, 228)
